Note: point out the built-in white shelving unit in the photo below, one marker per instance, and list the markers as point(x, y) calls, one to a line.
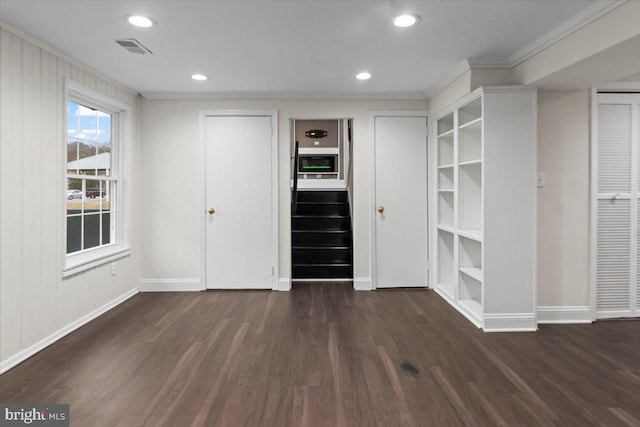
point(445, 200)
point(484, 218)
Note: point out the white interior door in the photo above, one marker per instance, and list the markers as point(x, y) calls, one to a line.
point(617, 269)
point(239, 226)
point(400, 202)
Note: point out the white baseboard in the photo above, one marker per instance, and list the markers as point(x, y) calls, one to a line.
point(362, 284)
point(564, 314)
point(284, 284)
point(20, 357)
point(170, 285)
point(510, 322)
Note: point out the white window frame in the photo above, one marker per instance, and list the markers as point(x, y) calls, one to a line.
point(77, 262)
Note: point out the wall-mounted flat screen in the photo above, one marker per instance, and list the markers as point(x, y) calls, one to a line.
point(317, 164)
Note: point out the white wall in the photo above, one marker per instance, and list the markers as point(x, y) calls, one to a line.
point(563, 203)
point(172, 180)
point(467, 82)
point(35, 302)
point(490, 77)
point(452, 92)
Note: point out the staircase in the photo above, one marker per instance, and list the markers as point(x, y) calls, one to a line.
point(321, 237)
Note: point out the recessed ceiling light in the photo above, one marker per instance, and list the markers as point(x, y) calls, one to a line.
point(363, 76)
point(140, 21)
point(199, 77)
point(404, 21)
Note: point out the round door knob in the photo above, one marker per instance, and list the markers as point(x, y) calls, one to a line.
point(380, 209)
point(211, 211)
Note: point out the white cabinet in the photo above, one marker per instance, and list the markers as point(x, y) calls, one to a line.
point(483, 181)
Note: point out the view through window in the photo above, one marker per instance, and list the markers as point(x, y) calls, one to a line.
point(91, 182)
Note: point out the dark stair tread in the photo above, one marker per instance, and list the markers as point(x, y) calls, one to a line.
point(322, 196)
point(322, 236)
point(323, 273)
point(322, 209)
point(320, 202)
point(321, 231)
point(320, 223)
point(321, 216)
point(337, 264)
point(321, 247)
point(317, 245)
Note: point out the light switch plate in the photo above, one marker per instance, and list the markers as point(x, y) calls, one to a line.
point(541, 179)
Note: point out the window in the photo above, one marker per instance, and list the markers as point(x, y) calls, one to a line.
point(97, 130)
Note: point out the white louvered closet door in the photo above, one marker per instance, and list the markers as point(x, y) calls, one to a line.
point(618, 210)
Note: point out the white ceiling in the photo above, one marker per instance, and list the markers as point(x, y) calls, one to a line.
point(288, 48)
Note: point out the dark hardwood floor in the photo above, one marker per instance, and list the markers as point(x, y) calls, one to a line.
point(324, 355)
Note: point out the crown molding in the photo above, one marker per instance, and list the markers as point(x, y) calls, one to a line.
point(454, 74)
point(495, 62)
point(588, 15)
point(355, 96)
point(67, 58)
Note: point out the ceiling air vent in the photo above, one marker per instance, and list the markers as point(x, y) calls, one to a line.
point(134, 46)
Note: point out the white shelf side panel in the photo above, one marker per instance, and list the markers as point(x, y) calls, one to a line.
point(509, 201)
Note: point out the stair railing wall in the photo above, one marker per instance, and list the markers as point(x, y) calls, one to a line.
point(294, 192)
point(348, 176)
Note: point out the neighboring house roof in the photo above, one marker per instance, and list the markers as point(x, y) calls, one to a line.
point(100, 161)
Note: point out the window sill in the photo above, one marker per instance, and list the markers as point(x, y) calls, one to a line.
point(85, 261)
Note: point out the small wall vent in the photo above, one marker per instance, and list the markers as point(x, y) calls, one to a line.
point(134, 46)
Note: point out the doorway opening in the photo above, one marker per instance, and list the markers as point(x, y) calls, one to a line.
point(321, 200)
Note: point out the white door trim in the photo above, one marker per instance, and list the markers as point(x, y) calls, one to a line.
point(273, 114)
point(372, 180)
